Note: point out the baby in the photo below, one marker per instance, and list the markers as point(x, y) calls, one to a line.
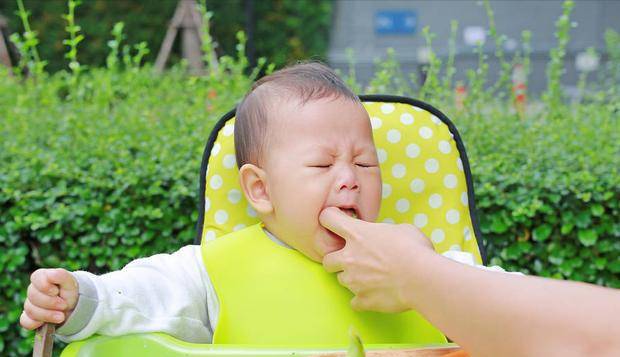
point(303, 143)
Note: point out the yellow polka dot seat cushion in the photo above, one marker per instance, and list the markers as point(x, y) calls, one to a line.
point(424, 167)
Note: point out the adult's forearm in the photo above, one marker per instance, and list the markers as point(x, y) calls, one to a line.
point(495, 314)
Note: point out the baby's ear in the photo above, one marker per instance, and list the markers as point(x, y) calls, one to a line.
point(253, 183)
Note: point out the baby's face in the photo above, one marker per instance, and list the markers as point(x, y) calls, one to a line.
point(318, 155)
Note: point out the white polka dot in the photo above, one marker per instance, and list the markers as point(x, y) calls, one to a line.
point(459, 164)
point(239, 227)
point(216, 149)
point(418, 109)
point(393, 136)
point(221, 216)
point(452, 216)
point(435, 200)
point(426, 132)
point(431, 166)
point(402, 205)
point(375, 123)
point(207, 204)
point(436, 120)
point(464, 198)
point(209, 236)
point(388, 220)
point(386, 191)
point(466, 233)
point(387, 108)
point(399, 170)
point(420, 220)
point(216, 182)
point(381, 155)
point(437, 236)
point(229, 161)
point(450, 181)
point(228, 130)
point(406, 118)
point(417, 185)
point(250, 211)
point(456, 247)
point(444, 147)
point(234, 196)
point(413, 151)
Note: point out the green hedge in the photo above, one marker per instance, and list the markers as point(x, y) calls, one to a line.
point(101, 167)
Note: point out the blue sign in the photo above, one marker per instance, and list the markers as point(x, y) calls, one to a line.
point(396, 22)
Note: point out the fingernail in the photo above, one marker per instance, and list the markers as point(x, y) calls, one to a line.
point(59, 317)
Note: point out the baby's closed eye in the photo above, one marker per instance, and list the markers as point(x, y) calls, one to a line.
point(366, 164)
point(321, 166)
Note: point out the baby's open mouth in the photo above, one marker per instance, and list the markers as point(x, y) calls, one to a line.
point(351, 212)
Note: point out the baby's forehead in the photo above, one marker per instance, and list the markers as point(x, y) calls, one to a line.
point(318, 127)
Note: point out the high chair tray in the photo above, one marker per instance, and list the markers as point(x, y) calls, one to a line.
point(157, 344)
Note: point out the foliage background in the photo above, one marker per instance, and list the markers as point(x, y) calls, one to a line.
point(285, 30)
point(100, 165)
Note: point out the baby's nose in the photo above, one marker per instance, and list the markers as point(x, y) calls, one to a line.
point(347, 179)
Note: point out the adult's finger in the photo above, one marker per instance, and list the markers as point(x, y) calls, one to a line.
point(45, 301)
point(28, 323)
point(345, 280)
point(337, 221)
point(40, 314)
point(333, 262)
point(360, 303)
point(41, 281)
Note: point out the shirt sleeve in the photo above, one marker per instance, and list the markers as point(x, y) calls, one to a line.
point(468, 259)
point(169, 293)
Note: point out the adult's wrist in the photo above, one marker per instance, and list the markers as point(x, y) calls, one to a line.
point(418, 278)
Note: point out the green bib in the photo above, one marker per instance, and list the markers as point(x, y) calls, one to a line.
point(273, 295)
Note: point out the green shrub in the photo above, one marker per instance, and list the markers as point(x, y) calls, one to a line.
point(101, 165)
point(285, 30)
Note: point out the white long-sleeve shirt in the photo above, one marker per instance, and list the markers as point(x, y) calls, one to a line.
point(169, 293)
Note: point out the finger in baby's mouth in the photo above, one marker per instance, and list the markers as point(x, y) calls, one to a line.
point(351, 212)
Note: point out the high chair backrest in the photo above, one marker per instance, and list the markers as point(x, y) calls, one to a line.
point(426, 176)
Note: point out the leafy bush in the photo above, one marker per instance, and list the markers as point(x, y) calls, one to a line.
point(285, 30)
point(101, 165)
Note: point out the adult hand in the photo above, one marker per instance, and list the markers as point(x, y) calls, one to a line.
point(392, 268)
point(52, 295)
point(375, 264)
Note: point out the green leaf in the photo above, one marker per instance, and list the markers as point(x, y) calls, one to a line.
point(498, 225)
point(597, 210)
point(542, 232)
point(587, 237)
point(566, 228)
point(614, 266)
point(4, 323)
point(600, 263)
point(583, 219)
